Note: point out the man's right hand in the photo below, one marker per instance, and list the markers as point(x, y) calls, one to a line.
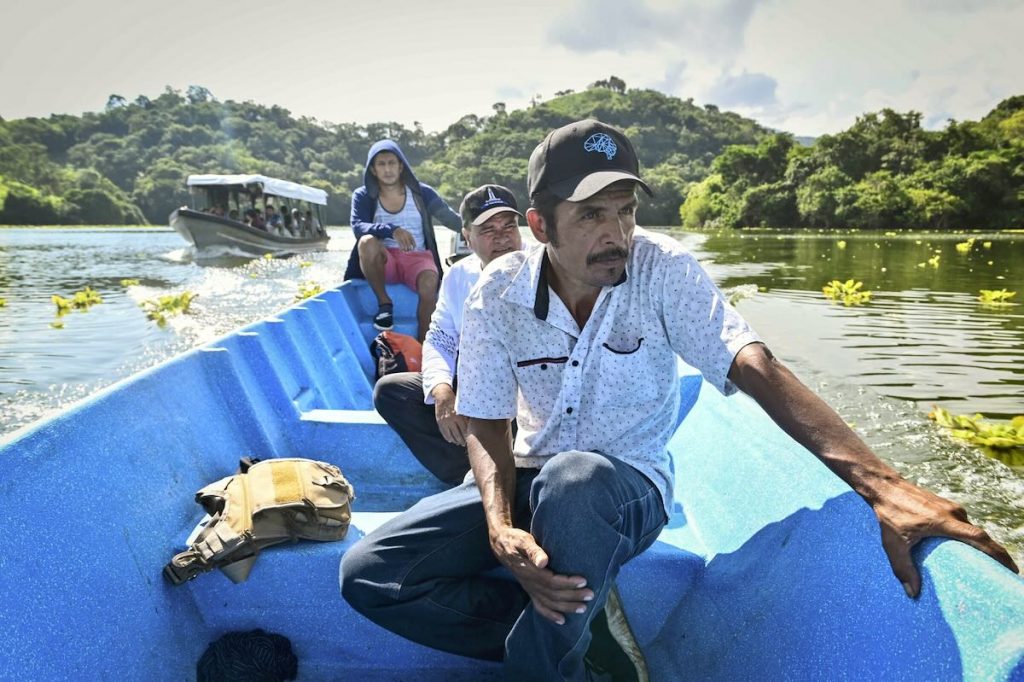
point(453, 426)
point(552, 595)
point(406, 242)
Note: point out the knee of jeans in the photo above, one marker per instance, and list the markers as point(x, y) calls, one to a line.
point(383, 393)
point(572, 482)
point(359, 586)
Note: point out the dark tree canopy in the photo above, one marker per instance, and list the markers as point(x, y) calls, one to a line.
point(128, 163)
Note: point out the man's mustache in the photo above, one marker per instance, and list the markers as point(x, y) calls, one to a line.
point(612, 254)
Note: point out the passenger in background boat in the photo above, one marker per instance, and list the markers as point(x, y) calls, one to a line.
point(420, 407)
point(312, 223)
point(233, 214)
point(392, 219)
point(298, 226)
point(273, 219)
point(286, 221)
point(578, 340)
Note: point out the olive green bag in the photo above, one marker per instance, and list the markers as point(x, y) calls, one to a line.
point(266, 503)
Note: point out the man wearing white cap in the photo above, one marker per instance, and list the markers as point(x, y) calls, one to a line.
point(420, 406)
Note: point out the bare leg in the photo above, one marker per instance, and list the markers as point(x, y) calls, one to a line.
point(426, 289)
point(372, 257)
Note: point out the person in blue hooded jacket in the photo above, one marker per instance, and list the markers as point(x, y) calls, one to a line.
point(392, 219)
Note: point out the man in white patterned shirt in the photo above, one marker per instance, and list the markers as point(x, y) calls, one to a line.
point(420, 407)
point(578, 340)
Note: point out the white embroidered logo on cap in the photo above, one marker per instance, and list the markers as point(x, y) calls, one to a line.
point(601, 143)
point(492, 200)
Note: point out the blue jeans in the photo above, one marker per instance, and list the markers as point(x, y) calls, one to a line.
point(428, 574)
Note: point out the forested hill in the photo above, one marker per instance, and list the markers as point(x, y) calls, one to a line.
point(127, 164)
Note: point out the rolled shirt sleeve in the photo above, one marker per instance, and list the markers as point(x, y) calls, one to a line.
point(703, 329)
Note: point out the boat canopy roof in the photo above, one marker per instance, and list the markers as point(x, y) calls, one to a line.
point(278, 188)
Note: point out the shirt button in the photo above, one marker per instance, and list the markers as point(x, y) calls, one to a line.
point(568, 410)
point(543, 366)
point(575, 363)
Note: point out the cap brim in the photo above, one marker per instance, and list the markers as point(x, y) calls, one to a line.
point(491, 212)
point(589, 185)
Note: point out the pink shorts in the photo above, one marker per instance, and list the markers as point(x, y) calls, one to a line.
point(404, 267)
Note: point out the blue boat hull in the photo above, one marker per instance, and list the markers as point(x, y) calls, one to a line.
point(770, 567)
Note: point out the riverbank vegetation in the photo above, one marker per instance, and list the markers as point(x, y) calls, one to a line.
point(128, 163)
point(886, 171)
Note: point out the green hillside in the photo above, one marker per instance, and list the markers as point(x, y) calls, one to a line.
point(128, 163)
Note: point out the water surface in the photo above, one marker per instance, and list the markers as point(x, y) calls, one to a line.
point(923, 340)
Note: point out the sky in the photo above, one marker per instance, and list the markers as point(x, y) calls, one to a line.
point(805, 66)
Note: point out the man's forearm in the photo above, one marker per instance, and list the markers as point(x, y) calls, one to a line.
point(810, 421)
point(490, 456)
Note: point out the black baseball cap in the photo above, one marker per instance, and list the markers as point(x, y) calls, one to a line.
point(578, 160)
point(486, 201)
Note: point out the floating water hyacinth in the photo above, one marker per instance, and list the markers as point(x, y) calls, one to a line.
point(987, 245)
point(308, 289)
point(305, 263)
point(80, 300)
point(3, 302)
point(847, 292)
point(996, 297)
point(934, 261)
point(999, 436)
point(841, 244)
point(965, 247)
point(741, 292)
point(129, 283)
point(172, 304)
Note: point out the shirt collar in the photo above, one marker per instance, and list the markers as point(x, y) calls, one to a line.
point(542, 291)
point(529, 287)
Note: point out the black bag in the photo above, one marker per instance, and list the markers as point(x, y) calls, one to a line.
point(254, 656)
point(393, 352)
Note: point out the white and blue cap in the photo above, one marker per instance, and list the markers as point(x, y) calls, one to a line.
point(485, 201)
point(579, 160)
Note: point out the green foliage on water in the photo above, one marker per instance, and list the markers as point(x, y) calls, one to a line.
point(160, 308)
point(848, 293)
point(3, 302)
point(996, 297)
point(885, 171)
point(80, 300)
point(307, 290)
point(977, 431)
point(129, 283)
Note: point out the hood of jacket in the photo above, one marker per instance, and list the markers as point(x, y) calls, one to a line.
point(408, 177)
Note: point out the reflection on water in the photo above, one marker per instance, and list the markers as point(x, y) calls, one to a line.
point(923, 339)
point(43, 368)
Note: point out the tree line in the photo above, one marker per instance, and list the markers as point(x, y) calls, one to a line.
point(127, 164)
point(885, 171)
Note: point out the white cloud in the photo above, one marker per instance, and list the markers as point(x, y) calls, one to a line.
point(844, 60)
point(799, 65)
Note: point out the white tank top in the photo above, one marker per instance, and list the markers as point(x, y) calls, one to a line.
point(408, 218)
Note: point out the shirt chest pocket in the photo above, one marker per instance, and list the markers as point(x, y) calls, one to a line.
point(626, 375)
point(540, 381)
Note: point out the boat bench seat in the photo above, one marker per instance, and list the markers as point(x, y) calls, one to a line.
point(294, 590)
